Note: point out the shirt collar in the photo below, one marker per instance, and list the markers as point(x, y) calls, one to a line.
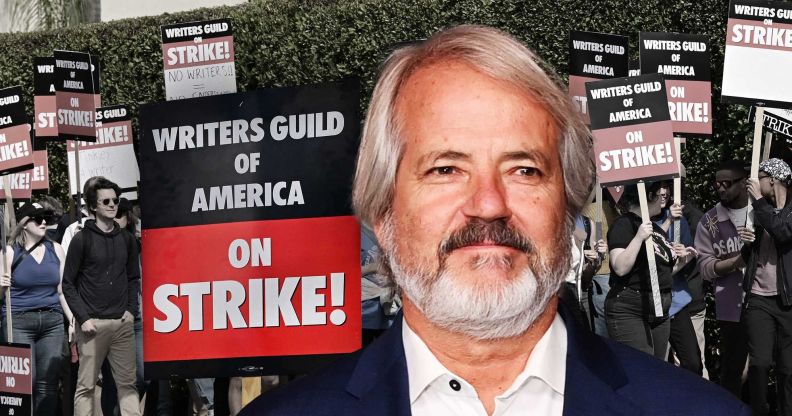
point(547, 361)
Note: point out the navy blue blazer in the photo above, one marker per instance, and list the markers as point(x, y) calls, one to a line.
point(603, 377)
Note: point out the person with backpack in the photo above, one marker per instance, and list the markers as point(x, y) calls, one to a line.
point(37, 304)
point(101, 282)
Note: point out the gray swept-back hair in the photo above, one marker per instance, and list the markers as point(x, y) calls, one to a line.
point(490, 52)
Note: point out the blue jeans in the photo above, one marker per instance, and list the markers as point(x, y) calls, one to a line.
point(597, 294)
point(45, 333)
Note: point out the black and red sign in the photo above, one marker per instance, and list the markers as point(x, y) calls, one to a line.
point(75, 100)
point(683, 60)
point(251, 253)
point(16, 379)
point(594, 56)
point(632, 132)
point(16, 150)
point(44, 98)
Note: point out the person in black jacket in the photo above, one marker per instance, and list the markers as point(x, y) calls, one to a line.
point(767, 314)
point(101, 282)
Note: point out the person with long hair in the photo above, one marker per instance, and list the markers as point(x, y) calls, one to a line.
point(37, 303)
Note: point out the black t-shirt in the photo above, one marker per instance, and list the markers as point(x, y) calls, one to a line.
point(620, 233)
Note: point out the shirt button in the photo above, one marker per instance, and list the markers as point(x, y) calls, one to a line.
point(455, 385)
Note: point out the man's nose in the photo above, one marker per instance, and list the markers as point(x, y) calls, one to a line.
point(488, 199)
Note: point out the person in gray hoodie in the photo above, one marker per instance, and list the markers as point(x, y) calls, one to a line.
point(100, 282)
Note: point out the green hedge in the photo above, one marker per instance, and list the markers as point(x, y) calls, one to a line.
point(279, 43)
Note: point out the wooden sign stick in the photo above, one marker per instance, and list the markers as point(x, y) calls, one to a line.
point(78, 212)
point(757, 147)
point(678, 187)
point(598, 214)
point(9, 219)
point(650, 253)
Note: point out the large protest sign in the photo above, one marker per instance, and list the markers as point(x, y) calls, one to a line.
point(683, 60)
point(112, 155)
point(250, 251)
point(74, 96)
point(594, 56)
point(758, 53)
point(632, 130)
point(198, 59)
point(16, 384)
point(16, 150)
point(44, 98)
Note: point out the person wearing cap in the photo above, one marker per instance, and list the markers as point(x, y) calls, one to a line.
point(37, 303)
point(629, 308)
point(767, 314)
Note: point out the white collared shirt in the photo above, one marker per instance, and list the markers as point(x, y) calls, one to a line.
point(537, 390)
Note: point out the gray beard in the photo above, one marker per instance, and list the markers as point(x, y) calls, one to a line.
point(482, 310)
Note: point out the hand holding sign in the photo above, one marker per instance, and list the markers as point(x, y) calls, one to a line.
point(754, 189)
point(644, 231)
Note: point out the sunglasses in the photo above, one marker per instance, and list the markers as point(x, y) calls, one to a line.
point(40, 219)
point(107, 201)
point(725, 184)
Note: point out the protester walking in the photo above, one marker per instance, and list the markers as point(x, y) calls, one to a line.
point(101, 284)
point(37, 303)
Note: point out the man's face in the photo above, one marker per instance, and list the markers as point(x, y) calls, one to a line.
point(107, 204)
point(730, 185)
point(479, 205)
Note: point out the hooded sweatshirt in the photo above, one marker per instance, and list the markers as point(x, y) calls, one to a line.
point(101, 278)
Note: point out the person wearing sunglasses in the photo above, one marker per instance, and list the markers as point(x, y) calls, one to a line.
point(101, 281)
point(37, 303)
point(718, 244)
point(767, 315)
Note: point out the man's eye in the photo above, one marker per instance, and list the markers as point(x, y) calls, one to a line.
point(528, 171)
point(443, 170)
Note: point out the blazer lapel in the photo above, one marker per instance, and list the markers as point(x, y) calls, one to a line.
point(593, 375)
point(380, 380)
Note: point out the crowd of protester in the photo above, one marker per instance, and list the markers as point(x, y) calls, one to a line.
point(74, 282)
point(740, 248)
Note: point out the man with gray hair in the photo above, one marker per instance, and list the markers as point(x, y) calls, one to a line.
point(472, 165)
